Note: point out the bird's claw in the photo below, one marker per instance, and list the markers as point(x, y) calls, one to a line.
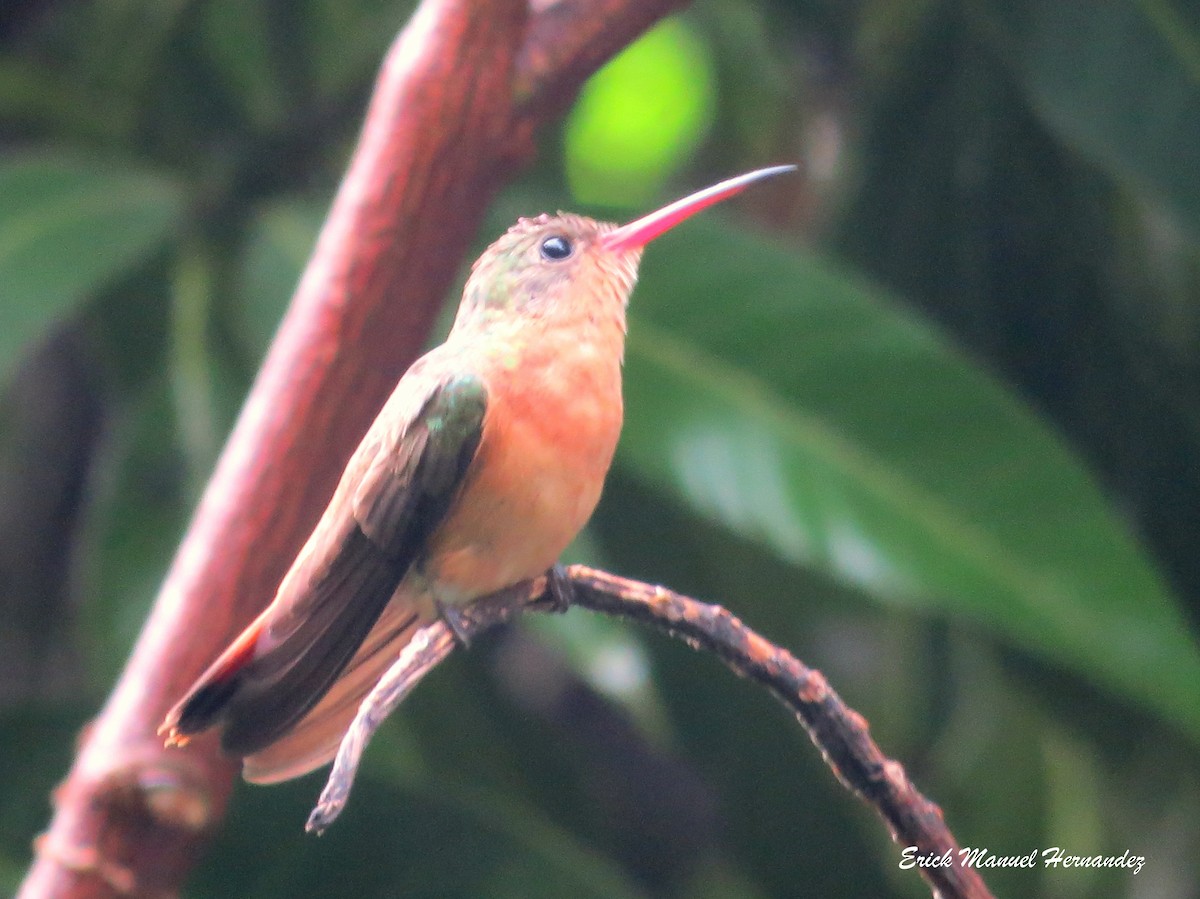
point(454, 620)
point(559, 588)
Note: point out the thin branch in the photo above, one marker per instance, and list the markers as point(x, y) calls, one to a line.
point(442, 134)
point(840, 733)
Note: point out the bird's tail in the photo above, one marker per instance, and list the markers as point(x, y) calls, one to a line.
point(314, 740)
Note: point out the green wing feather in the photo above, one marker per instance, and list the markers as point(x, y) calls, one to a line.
point(404, 492)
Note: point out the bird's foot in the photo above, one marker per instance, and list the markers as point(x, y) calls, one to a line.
point(454, 620)
point(559, 588)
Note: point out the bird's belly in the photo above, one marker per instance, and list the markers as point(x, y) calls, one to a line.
point(536, 479)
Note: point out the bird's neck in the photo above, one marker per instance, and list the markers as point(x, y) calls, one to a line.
point(580, 351)
point(600, 326)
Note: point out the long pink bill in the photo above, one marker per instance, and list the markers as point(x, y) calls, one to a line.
point(641, 232)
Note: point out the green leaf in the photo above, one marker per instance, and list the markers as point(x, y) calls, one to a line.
point(765, 781)
point(344, 40)
point(1119, 81)
point(986, 768)
point(425, 840)
point(237, 38)
point(67, 228)
point(137, 515)
point(280, 239)
point(640, 116)
point(37, 748)
point(798, 407)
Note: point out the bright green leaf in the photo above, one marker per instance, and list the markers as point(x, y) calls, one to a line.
point(67, 228)
point(640, 116)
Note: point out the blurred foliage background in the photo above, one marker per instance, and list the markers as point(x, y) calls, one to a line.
point(926, 413)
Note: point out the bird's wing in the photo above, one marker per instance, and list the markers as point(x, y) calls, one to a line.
point(408, 489)
point(396, 490)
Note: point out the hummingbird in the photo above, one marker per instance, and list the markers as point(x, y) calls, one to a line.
point(484, 463)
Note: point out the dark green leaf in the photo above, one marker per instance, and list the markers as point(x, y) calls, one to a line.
point(1120, 81)
point(237, 38)
point(429, 840)
point(36, 746)
point(795, 405)
point(138, 514)
point(67, 228)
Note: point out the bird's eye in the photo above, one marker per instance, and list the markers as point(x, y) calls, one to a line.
point(556, 248)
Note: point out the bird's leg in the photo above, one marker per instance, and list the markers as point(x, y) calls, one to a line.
point(560, 588)
point(454, 620)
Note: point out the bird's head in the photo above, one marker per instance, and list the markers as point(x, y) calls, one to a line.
point(548, 268)
point(568, 267)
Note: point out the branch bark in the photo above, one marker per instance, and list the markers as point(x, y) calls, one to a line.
point(453, 115)
point(840, 733)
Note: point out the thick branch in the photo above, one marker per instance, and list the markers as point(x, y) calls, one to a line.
point(442, 134)
point(568, 40)
point(840, 733)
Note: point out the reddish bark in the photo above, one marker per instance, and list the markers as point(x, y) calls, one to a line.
point(453, 115)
